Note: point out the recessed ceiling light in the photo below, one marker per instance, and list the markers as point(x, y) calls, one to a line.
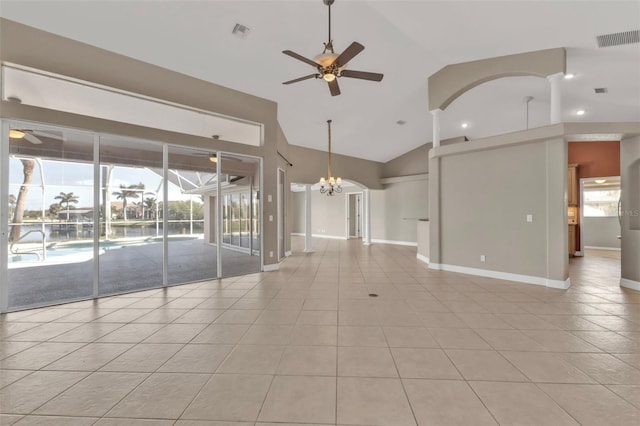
point(464, 125)
point(569, 76)
point(580, 112)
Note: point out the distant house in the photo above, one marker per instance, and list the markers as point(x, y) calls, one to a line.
point(76, 215)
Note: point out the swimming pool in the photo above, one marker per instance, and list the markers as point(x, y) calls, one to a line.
point(77, 251)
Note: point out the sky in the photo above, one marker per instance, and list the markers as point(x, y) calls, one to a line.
point(61, 176)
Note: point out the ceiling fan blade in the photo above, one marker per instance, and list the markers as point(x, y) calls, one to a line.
point(373, 76)
point(349, 53)
point(300, 58)
point(306, 77)
point(334, 88)
point(29, 137)
point(47, 134)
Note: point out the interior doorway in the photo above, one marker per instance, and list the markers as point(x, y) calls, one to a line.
point(600, 221)
point(354, 215)
point(594, 189)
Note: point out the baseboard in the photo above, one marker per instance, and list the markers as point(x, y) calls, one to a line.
point(271, 267)
point(633, 285)
point(298, 234)
point(398, 243)
point(422, 258)
point(287, 253)
point(331, 237)
point(578, 254)
point(603, 248)
point(527, 279)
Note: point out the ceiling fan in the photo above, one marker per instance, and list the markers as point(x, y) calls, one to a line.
point(32, 135)
point(330, 66)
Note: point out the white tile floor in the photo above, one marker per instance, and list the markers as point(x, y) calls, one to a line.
point(307, 345)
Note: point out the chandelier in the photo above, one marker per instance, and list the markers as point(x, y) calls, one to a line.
point(330, 185)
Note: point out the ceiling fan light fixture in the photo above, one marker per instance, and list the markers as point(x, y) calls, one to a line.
point(330, 65)
point(16, 134)
point(329, 77)
point(325, 59)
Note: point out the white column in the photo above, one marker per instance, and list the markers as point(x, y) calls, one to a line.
point(307, 218)
point(436, 127)
point(367, 217)
point(556, 98)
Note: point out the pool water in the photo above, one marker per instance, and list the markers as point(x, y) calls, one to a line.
point(75, 252)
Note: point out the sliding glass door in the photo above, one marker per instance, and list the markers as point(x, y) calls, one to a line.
point(192, 178)
point(50, 216)
point(131, 227)
point(240, 224)
point(91, 215)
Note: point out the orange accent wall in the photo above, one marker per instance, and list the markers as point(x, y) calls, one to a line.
point(595, 159)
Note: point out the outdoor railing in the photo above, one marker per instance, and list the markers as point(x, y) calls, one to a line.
point(44, 245)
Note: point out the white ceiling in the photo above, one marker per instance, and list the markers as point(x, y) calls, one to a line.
point(407, 41)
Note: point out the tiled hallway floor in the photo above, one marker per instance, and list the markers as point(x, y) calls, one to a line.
point(307, 345)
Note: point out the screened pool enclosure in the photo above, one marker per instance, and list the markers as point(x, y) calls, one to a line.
point(90, 215)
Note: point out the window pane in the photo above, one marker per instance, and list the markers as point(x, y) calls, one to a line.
point(601, 202)
point(50, 258)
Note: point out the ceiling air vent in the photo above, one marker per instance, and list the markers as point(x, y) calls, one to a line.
point(617, 39)
point(240, 30)
point(599, 90)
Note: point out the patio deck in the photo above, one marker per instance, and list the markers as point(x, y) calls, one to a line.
point(130, 268)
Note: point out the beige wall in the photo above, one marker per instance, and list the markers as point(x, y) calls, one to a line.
point(481, 194)
point(328, 218)
point(396, 210)
point(298, 212)
point(23, 45)
point(414, 162)
point(630, 180)
point(601, 232)
point(453, 80)
point(309, 165)
point(485, 199)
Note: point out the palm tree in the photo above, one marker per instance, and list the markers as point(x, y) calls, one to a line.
point(67, 198)
point(12, 204)
point(131, 191)
point(150, 204)
point(27, 171)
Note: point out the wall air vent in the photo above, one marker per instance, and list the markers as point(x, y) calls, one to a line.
point(617, 39)
point(599, 90)
point(240, 30)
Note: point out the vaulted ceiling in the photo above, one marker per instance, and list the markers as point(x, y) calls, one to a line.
point(407, 41)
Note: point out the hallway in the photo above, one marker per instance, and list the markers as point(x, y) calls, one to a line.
point(308, 344)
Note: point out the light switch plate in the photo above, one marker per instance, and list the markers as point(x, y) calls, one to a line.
point(529, 218)
point(269, 198)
